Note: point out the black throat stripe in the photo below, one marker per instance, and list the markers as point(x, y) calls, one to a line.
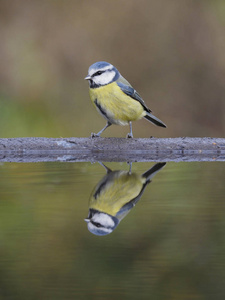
point(100, 108)
point(94, 85)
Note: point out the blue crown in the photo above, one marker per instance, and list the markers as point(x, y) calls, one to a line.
point(99, 65)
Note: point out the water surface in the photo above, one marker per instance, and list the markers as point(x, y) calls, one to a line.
point(170, 245)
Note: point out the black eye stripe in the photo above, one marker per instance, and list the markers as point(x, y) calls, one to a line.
point(96, 224)
point(98, 73)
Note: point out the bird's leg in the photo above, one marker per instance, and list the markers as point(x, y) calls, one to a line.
point(130, 134)
point(101, 131)
point(108, 170)
point(130, 168)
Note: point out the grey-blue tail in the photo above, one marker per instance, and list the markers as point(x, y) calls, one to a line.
point(150, 117)
point(155, 169)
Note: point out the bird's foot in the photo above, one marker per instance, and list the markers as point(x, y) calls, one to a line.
point(129, 136)
point(94, 135)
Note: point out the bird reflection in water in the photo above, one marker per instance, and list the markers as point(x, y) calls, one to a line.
point(114, 196)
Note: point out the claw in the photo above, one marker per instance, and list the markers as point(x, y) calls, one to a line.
point(94, 135)
point(129, 136)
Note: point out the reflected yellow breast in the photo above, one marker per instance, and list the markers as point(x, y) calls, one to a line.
point(117, 192)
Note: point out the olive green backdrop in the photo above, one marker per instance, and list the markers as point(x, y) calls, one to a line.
point(172, 52)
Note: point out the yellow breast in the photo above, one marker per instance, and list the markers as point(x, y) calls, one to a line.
point(115, 106)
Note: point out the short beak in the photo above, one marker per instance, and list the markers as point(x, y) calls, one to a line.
point(87, 220)
point(88, 77)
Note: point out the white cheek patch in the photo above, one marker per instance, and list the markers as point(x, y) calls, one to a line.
point(93, 228)
point(92, 71)
point(104, 78)
point(104, 220)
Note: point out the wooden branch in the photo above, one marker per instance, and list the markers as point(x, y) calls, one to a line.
point(112, 149)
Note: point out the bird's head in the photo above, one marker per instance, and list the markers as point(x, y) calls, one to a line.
point(101, 73)
point(100, 223)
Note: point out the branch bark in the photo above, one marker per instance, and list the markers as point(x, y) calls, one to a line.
point(112, 149)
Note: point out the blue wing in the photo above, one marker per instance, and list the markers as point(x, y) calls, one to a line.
point(130, 91)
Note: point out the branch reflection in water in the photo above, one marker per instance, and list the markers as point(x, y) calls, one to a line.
point(114, 196)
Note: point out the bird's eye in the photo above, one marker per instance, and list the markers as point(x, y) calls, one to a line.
point(98, 73)
point(96, 224)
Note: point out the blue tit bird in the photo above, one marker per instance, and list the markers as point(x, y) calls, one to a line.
point(115, 99)
point(114, 196)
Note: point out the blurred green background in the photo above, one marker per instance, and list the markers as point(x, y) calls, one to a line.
point(172, 52)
